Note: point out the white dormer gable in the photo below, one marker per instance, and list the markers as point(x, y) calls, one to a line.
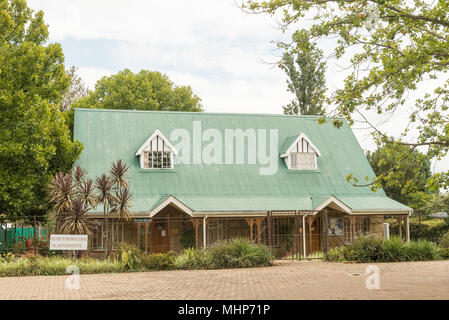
point(301, 154)
point(157, 152)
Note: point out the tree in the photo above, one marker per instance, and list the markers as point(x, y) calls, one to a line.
point(146, 90)
point(34, 140)
point(77, 89)
point(408, 185)
point(73, 195)
point(305, 70)
point(114, 195)
point(393, 47)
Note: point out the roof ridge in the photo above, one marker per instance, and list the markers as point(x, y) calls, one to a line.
point(208, 113)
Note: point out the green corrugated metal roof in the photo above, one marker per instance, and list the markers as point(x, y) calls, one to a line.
point(373, 204)
point(206, 204)
point(287, 143)
point(109, 135)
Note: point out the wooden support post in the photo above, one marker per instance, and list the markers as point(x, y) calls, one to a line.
point(303, 226)
point(204, 232)
point(399, 220)
point(352, 227)
point(309, 222)
point(196, 223)
point(138, 235)
point(407, 229)
point(295, 251)
point(250, 222)
point(146, 236)
point(258, 224)
point(168, 231)
point(324, 233)
point(269, 228)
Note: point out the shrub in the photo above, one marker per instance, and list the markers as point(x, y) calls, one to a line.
point(393, 249)
point(192, 259)
point(160, 261)
point(337, 254)
point(237, 253)
point(365, 249)
point(241, 253)
point(129, 256)
point(444, 240)
point(7, 258)
point(422, 232)
point(387, 250)
point(422, 250)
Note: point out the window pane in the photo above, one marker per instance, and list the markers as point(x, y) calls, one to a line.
point(166, 160)
point(303, 160)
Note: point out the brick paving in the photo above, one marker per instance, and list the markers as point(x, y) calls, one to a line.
point(286, 280)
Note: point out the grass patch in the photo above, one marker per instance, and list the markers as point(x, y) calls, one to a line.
point(237, 253)
point(53, 266)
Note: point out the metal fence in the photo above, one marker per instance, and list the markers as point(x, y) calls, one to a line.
point(22, 236)
point(290, 235)
point(420, 229)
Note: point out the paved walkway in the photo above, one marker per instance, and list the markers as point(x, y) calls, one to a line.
point(287, 280)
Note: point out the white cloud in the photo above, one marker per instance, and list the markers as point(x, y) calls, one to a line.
point(90, 75)
point(211, 45)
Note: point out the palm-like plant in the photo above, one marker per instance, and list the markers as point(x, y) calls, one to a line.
point(118, 174)
point(122, 207)
point(76, 222)
point(78, 175)
point(61, 195)
point(73, 196)
point(105, 196)
point(86, 192)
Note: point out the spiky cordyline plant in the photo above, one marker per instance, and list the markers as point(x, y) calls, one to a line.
point(78, 175)
point(121, 209)
point(61, 195)
point(86, 192)
point(118, 174)
point(76, 222)
point(105, 196)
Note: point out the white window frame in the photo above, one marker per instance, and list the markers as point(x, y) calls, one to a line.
point(293, 166)
point(306, 147)
point(157, 142)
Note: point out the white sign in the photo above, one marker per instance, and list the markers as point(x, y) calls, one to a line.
point(68, 242)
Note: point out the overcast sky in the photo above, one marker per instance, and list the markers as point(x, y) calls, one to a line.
point(224, 54)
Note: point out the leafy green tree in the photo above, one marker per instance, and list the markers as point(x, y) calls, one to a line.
point(407, 185)
point(306, 80)
point(146, 90)
point(34, 140)
point(392, 49)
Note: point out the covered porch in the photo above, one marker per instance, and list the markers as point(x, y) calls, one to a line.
point(171, 225)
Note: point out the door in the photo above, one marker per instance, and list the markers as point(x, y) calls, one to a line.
point(313, 236)
point(159, 237)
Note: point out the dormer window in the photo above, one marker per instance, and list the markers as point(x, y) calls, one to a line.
point(299, 153)
point(157, 152)
point(303, 161)
point(157, 160)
